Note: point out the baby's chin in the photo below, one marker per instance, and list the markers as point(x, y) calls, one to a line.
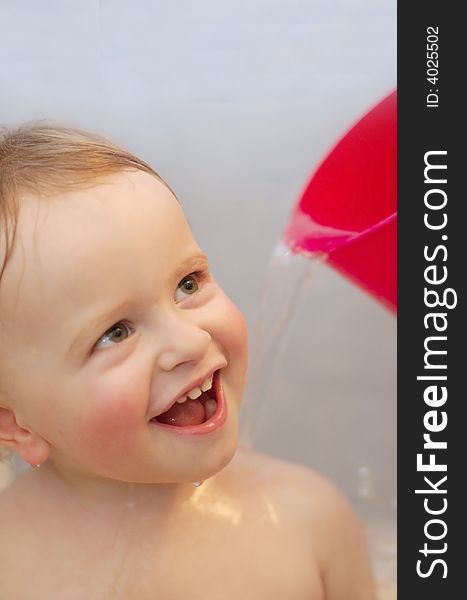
point(202, 468)
point(192, 465)
point(213, 469)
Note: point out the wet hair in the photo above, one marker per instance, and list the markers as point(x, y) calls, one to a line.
point(43, 158)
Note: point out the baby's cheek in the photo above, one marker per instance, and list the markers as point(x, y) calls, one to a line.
point(112, 423)
point(235, 332)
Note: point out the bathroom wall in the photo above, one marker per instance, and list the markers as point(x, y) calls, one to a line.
point(235, 103)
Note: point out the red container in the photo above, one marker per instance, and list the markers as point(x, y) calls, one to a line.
point(347, 212)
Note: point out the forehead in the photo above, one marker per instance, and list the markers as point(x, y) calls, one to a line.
point(78, 242)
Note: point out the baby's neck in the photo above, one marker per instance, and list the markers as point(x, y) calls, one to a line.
point(96, 494)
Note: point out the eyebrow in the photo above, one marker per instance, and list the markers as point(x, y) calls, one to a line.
point(194, 261)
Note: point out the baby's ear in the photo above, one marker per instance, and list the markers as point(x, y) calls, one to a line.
point(32, 448)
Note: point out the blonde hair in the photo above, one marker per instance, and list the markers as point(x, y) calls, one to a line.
point(45, 158)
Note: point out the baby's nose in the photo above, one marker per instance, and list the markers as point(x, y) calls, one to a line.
point(183, 342)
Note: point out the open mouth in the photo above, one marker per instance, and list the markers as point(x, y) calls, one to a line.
point(194, 412)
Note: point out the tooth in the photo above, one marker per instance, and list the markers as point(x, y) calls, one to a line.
point(194, 393)
point(182, 400)
point(210, 407)
point(207, 385)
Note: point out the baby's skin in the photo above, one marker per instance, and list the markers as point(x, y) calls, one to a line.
point(109, 314)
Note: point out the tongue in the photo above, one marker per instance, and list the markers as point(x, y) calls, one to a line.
point(190, 412)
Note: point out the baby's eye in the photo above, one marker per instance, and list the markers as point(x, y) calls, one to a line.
point(191, 283)
point(116, 334)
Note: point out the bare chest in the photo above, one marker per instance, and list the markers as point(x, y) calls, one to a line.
point(249, 562)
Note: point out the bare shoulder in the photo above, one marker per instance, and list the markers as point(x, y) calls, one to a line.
point(303, 492)
point(313, 506)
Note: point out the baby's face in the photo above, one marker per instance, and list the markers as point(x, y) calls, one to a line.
point(104, 324)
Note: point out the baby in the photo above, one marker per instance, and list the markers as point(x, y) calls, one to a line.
point(122, 368)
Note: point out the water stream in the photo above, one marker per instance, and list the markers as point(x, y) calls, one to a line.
point(320, 390)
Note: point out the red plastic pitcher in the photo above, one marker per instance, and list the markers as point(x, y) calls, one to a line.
point(348, 211)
